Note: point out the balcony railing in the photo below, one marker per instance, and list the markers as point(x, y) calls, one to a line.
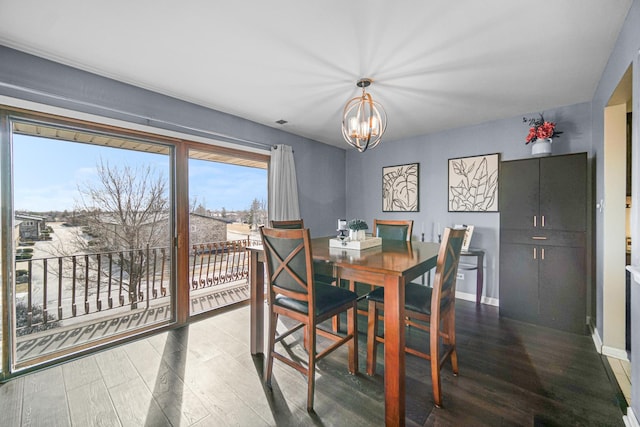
point(217, 263)
point(70, 288)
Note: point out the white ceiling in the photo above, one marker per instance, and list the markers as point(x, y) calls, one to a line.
point(436, 64)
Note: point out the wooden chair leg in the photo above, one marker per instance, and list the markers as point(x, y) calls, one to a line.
point(451, 331)
point(372, 343)
point(311, 373)
point(434, 353)
point(335, 323)
point(273, 322)
point(352, 329)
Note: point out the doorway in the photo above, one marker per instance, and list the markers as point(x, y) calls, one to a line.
point(616, 312)
point(227, 203)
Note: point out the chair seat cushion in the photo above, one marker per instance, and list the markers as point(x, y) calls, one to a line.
point(416, 297)
point(323, 278)
point(328, 298)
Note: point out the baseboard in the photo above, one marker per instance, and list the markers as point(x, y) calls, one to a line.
point(472, 297)
point(604, 349)
point(630, 419)
point(615, 352)
point(595, 336)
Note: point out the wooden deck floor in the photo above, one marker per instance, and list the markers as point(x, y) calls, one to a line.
point(203, 375)
point(107, 324)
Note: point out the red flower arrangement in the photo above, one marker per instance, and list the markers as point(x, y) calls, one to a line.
point(540, 129)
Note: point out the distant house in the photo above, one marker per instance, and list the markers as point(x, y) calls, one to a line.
point(206, 229)
point(202, 228)
point(16, 233)
point(30, 226)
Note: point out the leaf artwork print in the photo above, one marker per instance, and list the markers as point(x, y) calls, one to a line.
point(400, 188)
point(473, 185)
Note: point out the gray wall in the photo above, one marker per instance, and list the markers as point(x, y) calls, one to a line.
point(624, 53)
point(321, 189)
point(319, 166)
point(507, 136)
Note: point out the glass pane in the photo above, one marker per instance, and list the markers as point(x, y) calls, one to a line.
point(4, 167)
point(227, 203)
point(92, 229)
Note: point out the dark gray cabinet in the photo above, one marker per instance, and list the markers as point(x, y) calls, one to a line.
point(543, 241)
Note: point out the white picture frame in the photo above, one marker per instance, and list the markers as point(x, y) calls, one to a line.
point(473, 183)
point(466, 242)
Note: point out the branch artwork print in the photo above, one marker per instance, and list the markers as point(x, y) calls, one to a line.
point(400, 188)
point(473, 184)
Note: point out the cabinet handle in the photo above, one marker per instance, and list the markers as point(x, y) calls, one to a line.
point(539, 238)
point(535, 253)
point(535, 222)
point(542, 254)
point(542, 221)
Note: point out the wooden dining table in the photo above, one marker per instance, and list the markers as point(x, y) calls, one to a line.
point(391, 265)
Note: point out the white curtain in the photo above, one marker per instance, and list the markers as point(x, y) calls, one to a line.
point(283, 185)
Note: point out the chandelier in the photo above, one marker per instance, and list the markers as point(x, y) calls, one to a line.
point(363, 120)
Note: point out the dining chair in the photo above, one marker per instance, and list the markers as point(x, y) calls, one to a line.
point(323, 271)
point(431, 309)
point(387, 229)
point(293, 292)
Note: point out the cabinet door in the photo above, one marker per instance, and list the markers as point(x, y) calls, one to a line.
point(563, 192)
point(518, 282)
point(519, 193)
point(563, 288)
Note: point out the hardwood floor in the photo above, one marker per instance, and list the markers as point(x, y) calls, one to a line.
point(511, 373)
point(622, 372)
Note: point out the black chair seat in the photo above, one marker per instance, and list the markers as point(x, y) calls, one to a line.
point(323, 279)
point(328, 298)
point(417, 297)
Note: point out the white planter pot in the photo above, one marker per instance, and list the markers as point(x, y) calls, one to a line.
point(356, 235)
point(541, 147)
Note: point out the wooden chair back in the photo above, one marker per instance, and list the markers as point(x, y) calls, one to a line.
point(444, 284)
point(289, 263)
point(288, 224)
point(393, 229)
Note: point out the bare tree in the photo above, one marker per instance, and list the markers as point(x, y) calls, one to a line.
point(126, 210)
point(256, 214)
point(197, 207)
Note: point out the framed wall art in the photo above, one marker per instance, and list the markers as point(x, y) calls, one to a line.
point(473, 183)
point(400, 188)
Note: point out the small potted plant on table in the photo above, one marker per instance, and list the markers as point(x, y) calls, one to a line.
point(356, 229)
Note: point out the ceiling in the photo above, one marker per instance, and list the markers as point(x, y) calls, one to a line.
point(436, 64)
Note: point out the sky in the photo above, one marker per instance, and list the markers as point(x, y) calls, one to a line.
point(47, 174)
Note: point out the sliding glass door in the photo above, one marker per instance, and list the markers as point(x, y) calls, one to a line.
point(109, 233)
point(5, 239)
point(91, 239)
point(227, 203)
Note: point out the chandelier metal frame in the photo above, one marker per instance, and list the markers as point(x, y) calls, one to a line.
point(364, 120)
